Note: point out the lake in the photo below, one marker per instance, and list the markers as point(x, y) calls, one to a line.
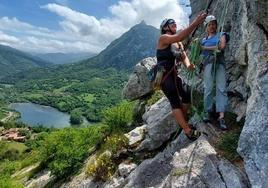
point(35, 115)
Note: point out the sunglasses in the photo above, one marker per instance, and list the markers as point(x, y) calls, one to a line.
point(171, 21)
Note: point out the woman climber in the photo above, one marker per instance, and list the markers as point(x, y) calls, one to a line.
point(213, 46)
point(171, 84)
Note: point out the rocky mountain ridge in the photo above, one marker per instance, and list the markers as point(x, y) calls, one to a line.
point(13, 61)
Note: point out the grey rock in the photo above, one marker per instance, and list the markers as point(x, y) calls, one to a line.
point(125, 169)
point(186, 164)
point(139, 84)
point(136, 136)
point(160, 124)
point(42, 179)
point(253, 145)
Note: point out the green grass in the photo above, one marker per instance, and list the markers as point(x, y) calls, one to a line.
point(228, 142)
point(17, 146)
point(180, 172)
point(228, 145)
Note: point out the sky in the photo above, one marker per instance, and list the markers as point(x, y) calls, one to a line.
point(72, 26)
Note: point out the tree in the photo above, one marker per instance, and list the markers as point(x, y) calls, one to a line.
point(76, 117)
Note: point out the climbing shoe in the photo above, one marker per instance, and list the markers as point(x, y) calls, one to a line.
point(222, 124)
point(207, 117)
point(193, 135)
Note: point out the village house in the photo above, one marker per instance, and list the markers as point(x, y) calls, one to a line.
point(13, 134)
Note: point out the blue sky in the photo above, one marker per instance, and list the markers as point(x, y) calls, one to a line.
point(79, 25)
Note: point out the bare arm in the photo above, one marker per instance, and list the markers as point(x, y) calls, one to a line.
point(222, 44)
point(166, 39)
point(186, 61)
point(183, 54)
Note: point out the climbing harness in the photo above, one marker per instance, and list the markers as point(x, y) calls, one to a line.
point(157, 75)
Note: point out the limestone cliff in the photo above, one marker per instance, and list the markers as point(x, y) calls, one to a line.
point(247, 65)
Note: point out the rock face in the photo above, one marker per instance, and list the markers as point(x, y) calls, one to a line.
point(159, 125)
point(252, 145)
point(186, 164)
point(247, 69)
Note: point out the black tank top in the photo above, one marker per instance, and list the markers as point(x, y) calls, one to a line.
point(165, 57)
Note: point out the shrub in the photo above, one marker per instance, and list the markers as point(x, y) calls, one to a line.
point(102, 168)
point(155, 97)
point(3, 149)
point(11, 154)
point(7, 182)
point(180, 171)
point(8, 167)
point(115, 143)
point(64, 150)
point(119, 117)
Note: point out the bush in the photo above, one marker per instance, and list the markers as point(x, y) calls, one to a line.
point(12, 124)
point(7, 152)
point(37, 142)
point(64, 150)
point(11, 154)
point(115, 143)
point(102, 168)
point(119, 117)
point(3, 149)
point(7, 182)
point(7, 168)
point(155, 97)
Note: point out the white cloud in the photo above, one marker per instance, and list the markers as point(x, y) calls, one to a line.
point(73, 18)
point(82, 32)
point(7, 39)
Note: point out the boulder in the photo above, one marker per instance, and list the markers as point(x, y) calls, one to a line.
point(139, 84)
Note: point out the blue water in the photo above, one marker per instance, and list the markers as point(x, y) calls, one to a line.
point(36, 115)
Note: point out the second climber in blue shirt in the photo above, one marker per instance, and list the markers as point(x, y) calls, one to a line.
point(213, 46)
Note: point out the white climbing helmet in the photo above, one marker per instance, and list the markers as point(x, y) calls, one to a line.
point(209, 19)
point(166, 22)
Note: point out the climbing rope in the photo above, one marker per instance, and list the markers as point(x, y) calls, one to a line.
point(195, 58)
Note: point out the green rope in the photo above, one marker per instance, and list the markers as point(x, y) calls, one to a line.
point(195, 58)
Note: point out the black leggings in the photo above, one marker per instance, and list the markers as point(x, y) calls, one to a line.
point(176, 96)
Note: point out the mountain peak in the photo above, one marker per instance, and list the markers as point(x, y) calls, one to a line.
point(142, 23)
point(134, 45)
